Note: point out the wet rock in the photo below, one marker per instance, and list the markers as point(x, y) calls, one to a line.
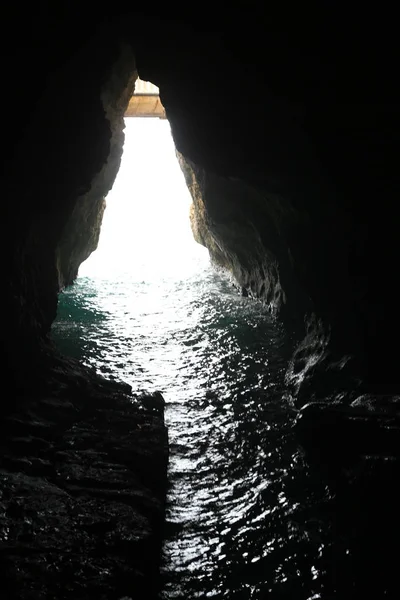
point(383, 404)
point(340, 433)
point(154, 401)
point(82, 506)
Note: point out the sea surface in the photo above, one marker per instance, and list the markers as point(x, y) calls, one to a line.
point(246, 517)
point(239, 497)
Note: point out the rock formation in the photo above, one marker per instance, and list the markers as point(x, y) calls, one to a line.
point(82, 478)
point(287, 131)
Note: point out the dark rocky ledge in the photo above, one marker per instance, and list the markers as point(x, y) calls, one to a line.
point(368, 428)
point(82, 488)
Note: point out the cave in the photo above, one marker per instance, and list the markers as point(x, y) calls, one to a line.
point(287, 131)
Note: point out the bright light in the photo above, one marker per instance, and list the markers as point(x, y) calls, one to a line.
point(146, 222)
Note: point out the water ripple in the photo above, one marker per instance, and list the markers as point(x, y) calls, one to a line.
point(236, 520)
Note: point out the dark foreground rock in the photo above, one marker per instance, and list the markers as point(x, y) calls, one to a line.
point(368, 427)
point(354, 452)
point(82, 489)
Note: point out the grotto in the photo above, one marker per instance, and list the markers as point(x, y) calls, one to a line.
point(286, 125)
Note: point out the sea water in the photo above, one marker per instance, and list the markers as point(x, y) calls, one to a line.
point(149, 309)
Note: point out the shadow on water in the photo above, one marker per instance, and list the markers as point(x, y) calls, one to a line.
point(77, 313)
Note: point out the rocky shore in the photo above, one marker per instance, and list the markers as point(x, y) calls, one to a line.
point(82, 488)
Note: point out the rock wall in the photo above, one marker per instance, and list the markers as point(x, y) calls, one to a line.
point(224, 218)
point(82, 488)
point(251, 232)
point(64, 163)
point(286, 159)
point(81, 232)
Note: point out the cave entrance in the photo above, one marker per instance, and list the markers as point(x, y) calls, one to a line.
point(146, 101)
point(146, 257)
point(146, 228)
point(150, 310)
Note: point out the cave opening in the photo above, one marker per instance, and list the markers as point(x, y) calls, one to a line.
point(301, 195)
point(146, 227)
point(144, 237)
point(148, 308)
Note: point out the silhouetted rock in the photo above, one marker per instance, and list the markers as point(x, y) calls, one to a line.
point(82, 490)
point(341, 432)
point(154, 400)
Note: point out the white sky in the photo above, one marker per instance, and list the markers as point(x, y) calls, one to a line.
point(147, 215)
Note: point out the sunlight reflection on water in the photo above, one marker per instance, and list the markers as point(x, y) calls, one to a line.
point(158, 316)
point(220, 361)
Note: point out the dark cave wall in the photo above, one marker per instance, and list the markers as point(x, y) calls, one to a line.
point(64, 163)
point(224, 218)
point(269, 247)
point(81, 233)
point(291, 144)
point(290, 140)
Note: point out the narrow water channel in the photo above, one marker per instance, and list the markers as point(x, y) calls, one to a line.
point(219, 361)
point(246, 519)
